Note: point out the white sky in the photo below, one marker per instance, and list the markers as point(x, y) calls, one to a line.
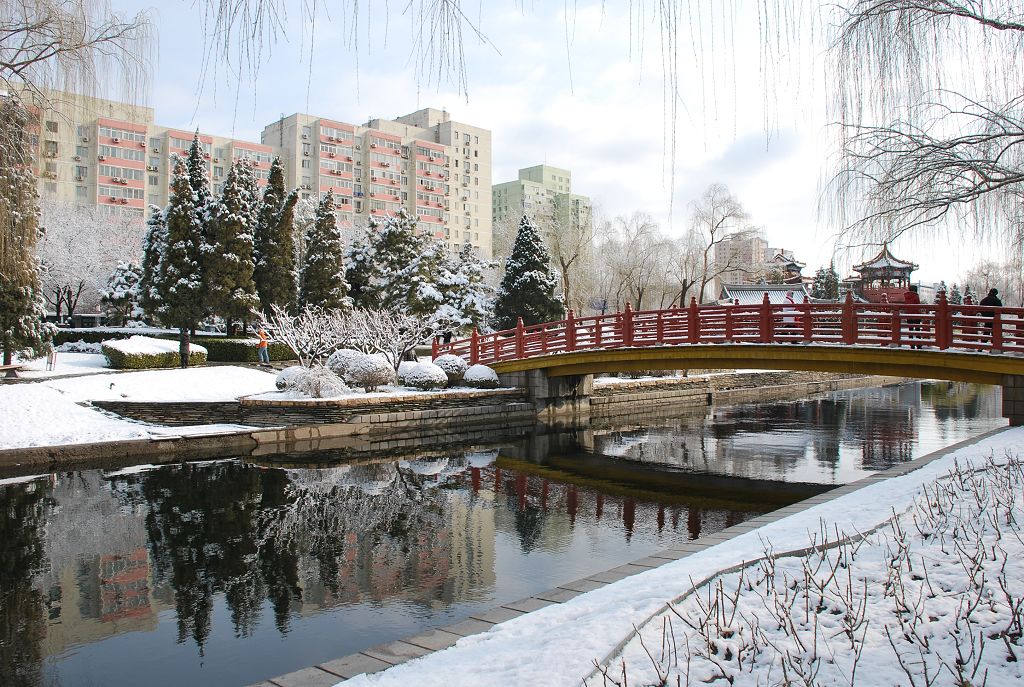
point(589, 98)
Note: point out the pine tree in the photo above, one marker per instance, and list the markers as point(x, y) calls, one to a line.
point(528, 288)
point(955, 297)
point(199, 178)
point(22, 308)
point(228, 258)
point(826, 283)
point(466, 289)
point(180, 283)
point(392, 265)
point(153, 247)
point(323, 274)
point(274, 248)
point(121, 295)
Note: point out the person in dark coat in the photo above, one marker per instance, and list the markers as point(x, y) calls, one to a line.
point(912, 298)
point(992, 299)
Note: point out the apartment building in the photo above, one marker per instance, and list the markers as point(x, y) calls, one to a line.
point(425, 162)
point(115, 156)
point(544, 193)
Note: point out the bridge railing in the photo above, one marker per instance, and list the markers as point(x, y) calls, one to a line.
point(939, 325)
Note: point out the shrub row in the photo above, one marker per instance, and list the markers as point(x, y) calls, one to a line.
point(120, 360)
point(221, 349)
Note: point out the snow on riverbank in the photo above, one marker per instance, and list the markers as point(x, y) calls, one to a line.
point(557, 645)
point(49, 413)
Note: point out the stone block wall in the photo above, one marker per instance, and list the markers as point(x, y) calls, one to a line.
point(1013, 399)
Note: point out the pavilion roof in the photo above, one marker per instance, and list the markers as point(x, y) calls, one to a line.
point(885, 260)
point(753, 294)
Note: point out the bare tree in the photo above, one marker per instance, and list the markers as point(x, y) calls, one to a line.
point(716, 217)
point(1005, 276)
point(633, 252)
point(80, 247)
point(685, 259)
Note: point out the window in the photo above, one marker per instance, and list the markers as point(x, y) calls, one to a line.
point(476, 167)
point(50, 148)
point(307, 131)
point(82, 151)
point(50, 187)
point(154, 199)
point(51, 168)
point(306, 149)
point(218, 171)
point(82, 130)
point(154, 180)
point(465, 138)
point(82, 172)
point(476, 139)
point(81, 192)
point(305, 164)
point(154, 143)
point(154, 161)
point(51, 126)
point(476, 153)
point(306, 181)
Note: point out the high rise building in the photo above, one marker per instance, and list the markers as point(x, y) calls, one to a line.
point(113, 155)
point(545, 194)
point(425, 162)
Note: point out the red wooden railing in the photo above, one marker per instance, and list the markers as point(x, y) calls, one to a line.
point(940, 325)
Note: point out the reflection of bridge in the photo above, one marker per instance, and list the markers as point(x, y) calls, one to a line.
point(968, 343)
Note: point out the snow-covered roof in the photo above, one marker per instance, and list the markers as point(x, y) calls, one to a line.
point(786, 260)
point(885, 260)
point(753, 294)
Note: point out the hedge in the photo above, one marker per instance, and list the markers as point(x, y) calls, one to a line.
point(243, 350)
point(144, 361)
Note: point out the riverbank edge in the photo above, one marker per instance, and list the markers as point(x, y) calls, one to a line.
point(500, 410)
point(384, 656)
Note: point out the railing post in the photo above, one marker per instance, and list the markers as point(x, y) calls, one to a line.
point(474, 347)
point(627, 326)
point(766, 320)
point(808, 322)
point(897, 326)
point(520, 340)
point(597, 331)
point(570, 332)
point(943, 323)
point(433, 348)
point(693, 321)
point(997, 330)
point(660, 328)
point(729, 326)
point(849, 320)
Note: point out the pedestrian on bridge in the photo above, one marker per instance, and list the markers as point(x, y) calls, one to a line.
point(912, 298)
point(991, 299)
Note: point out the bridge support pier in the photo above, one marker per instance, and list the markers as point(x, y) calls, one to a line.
point(553, 397)
point(1013, 399)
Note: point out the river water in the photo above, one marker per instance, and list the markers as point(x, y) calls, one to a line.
point(230, 572)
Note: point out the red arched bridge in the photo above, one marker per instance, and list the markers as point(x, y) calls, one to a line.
point(971, 343)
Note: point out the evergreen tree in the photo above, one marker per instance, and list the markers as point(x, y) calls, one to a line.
point(954, 296)
point(121, 295)
point(392, 264)
point(199, 178)
point(153, 246)
point(22, 308)
point(274, 248)
point(826, 283)
point(528, 288)
point(467, 293)
point(228, 263)
point(180, 283)
point(323, 274)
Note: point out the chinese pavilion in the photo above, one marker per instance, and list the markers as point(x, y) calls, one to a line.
point(883, 274)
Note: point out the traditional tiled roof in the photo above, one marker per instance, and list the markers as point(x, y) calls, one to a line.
point(885, 260)
point(753, 294)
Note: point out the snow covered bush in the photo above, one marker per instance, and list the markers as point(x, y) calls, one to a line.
point(454, 366)
point(370, 372)
point(79, 346)
point(426, 376)
point(320, 382)
point(339, 361)
point(403, 370)
point(141, 352)
point(289, 377)
point(480, 377)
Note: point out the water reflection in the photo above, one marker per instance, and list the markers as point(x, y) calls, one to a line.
point(230, 572)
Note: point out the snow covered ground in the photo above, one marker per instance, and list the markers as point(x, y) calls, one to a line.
point(49, 412)
point(67, 364)
point(939, 550)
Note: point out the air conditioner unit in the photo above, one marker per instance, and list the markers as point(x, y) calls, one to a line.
point(306, 186)
point(427, 173)
point(142, 144)
point(77, 158)
point(373, 145)
point(115, 139)
point(79, 178)
point(124, 201)
point(465, 183)
point(447, 164)
point(206, 155)
point(150, 168)
point(372, 194)
point(305, 136)
point(156, 150)
point(349, 158)
point(85, 139)
point(331, 154)
point(112, 200)
point(330, 138)
point(216, 160)
point(306, 153)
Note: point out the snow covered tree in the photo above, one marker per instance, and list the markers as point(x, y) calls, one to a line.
point(391, 265)
point(153, 247)
point(826, 283)
point(120, 298)
point(228, 254)
point(22, 309)
point(528, 288)
point(199, 179)
point(954, 296)
point(323, 272)
point(274, 247)
point(180, 283)
point(468, 300)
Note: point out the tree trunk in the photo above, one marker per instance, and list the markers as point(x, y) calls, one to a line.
point(183, 341)
point(8, 355)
